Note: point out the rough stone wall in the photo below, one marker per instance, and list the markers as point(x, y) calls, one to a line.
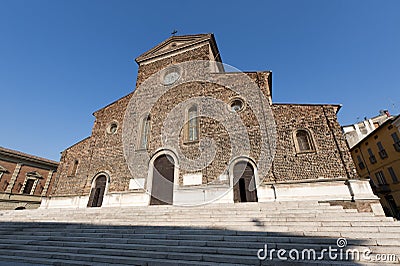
point(331, 150)
point(336, 129)
point(65, 183)
point(209, 128)
point(146, 70)
point(103, 152)
point(107, 149)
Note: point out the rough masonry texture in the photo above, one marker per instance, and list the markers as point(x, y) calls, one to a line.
point(327, 158)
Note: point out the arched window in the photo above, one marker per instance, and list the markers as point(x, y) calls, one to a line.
point(193, 125)
point(144, 133)
point(74, 168)
point(304, 141)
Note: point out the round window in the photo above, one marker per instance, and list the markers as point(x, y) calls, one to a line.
point(112, 128)
point(237, 105)
point(171, 76)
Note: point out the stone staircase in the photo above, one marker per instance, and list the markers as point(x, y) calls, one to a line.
point(217, 234)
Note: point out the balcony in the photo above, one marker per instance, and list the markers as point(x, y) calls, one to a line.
point(372, 159)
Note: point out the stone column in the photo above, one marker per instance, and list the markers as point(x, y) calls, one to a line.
point(14, 178)
point(47, 184)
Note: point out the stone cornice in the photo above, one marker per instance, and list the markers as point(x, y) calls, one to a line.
point(24, 158)
point(185, 41)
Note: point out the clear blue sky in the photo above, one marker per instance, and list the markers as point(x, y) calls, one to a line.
point(62, 60)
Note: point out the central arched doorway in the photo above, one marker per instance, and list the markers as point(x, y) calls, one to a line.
point(162, 187)
point(244, 186)
point(97, 191)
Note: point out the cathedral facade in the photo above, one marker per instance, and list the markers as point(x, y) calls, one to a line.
point(196, 131)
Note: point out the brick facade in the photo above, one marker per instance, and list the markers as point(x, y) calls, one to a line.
point(331, 158)
point(104, 152)
point(16, 168)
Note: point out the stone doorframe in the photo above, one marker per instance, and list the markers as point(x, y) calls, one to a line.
point(253, 165)
point(93, 184)
point(149, 181)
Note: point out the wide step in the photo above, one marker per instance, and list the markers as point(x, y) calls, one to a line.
point(220, 234)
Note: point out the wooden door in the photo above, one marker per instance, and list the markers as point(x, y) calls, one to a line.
point(244, 188)
point(163, 181)
point(97, 192)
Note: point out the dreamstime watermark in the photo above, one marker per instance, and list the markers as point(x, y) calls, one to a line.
point(340, 252)
point(164, 98)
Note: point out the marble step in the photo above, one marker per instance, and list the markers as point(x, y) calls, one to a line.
point(99, 211)
point(186, 243)
point(144, 254)
point(19, 260)
point(376, 226)
point(190, 239)
point(225, 234)
point(305, 213)
point(132, 259)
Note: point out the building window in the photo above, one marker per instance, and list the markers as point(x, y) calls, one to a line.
point(361, 164)
point(372, 183)
point(5, 185)
point(237, 105)
point(193, 124)
point(382, 151)
point(74, 168)
point(28, 186)
point(145, 132)
point(395, 137)
point(31, 181)
point(2, 171)
point(393, 175)
point(303, 141)
point(112, 128)
point(396, 141)
point(372, 157)
point(381, 178)
point(171, 75)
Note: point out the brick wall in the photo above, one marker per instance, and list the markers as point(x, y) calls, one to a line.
point(331, 158)
point(27, 165)
point(103, 152)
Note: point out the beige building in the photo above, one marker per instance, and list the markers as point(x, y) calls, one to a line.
point(356, 132)
point(24, 179)
point(377, 156)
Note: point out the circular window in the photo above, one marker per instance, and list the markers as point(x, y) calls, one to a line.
point(112, 128)
point(171, 76)
point(237, 105)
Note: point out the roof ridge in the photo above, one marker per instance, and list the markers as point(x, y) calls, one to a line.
point(28, 156)
point(155, 49)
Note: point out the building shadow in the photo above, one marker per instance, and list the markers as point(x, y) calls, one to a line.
point(56, 243)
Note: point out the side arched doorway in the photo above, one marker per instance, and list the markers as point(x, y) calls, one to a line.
point(162, 187)
point(244, 186)
point(97, 191)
